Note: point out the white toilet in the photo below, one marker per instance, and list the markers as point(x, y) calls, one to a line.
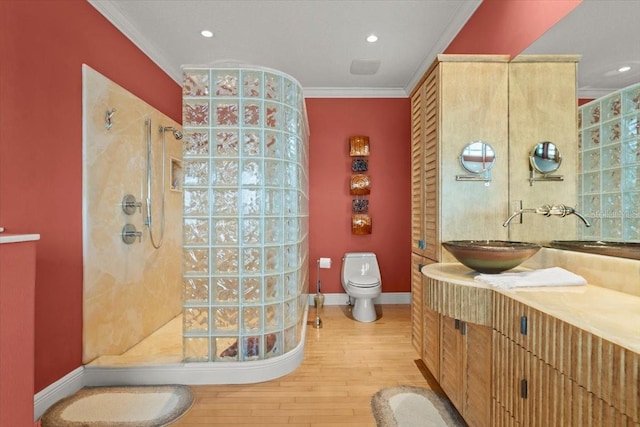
point(362, 282)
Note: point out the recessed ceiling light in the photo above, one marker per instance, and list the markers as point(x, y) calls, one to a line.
point(206, 33)
point(372, 38)
point(623, 69)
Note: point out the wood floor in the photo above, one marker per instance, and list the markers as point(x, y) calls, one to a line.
point(345, 363)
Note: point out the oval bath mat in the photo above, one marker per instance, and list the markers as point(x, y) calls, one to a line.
point(408, 406)
point(126, 406)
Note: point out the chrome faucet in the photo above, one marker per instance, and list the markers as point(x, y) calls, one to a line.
point(548, 210)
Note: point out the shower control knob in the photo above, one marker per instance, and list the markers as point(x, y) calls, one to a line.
point(129, 204)
point(129, 234)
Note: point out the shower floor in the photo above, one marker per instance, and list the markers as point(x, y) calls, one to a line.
point(161, 347)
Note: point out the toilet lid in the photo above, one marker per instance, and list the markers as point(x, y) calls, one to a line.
point(364, 281)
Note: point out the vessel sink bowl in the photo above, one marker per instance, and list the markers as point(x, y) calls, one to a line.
point(491, 256)
point(617, 249)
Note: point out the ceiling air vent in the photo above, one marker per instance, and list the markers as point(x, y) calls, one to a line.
point(364, 66)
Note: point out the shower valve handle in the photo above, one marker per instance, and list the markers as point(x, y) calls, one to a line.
point(129, 204)
point(129, 234)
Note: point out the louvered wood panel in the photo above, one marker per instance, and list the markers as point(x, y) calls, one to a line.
point(417, 172)
point(417, 322)
point(478, 365)
point(431, 167)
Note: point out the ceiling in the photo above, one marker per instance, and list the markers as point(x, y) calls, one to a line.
point(316, 41)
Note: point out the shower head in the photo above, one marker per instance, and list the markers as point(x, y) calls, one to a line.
point(176, 133)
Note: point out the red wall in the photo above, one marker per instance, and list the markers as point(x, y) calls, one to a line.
point(508, 26)
point(387, 123)
point(43, 45)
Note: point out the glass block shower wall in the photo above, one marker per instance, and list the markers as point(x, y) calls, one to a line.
point(610, 169)
point(246, 198)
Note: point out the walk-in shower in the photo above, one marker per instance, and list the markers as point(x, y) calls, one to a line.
point(245, 238)
point(148, 219)
point(228, 286)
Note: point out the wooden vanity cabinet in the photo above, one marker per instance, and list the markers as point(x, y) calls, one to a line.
point(548, 372)
point(465, 368)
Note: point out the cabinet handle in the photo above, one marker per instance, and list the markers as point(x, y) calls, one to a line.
point(523, 325)
point(523, 388)
point(463, 328)
point(456, 323)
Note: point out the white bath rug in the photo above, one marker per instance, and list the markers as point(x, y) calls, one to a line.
point(407, 406)
point(144, 406)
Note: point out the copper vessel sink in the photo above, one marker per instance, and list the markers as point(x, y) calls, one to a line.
point(491, 256)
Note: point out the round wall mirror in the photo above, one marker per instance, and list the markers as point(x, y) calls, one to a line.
point(478, 157)
point(545, 157)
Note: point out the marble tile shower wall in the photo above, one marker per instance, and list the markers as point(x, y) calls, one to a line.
point(245, 214)
point(129, 290)
point(609, 193)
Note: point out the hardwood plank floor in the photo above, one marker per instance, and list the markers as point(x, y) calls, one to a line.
point(345, 363)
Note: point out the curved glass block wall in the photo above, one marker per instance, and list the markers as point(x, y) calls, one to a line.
point(245, 226)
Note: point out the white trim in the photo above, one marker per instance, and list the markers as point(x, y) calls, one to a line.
point(110, 10)
point(198, 373)
point(65, 386)
point(465, 11)
point(384, 298)
point(594, 93)
point(354, 92)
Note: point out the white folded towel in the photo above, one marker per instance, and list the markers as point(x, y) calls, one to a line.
point(554, 276)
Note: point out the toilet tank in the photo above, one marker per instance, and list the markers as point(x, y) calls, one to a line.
point(359, 263)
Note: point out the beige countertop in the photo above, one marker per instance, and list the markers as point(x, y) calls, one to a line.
point(17, 238)
point(611, 315)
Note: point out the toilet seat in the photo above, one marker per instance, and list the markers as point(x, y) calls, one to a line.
point(364, 281)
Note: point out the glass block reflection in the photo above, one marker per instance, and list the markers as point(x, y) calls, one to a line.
point(196, 231)
point(251, 319)
point(196, 144)
point(226, 83)
point(195, 172)
point(245, 206)
point(225, 231)
point(195, 113)
point(195, 289)
point(225, 319)
point(227, 143)
point(195, 83)
point(196, 261)
point(251, 290)
point(195, 349)
point(195, 319)
point(225, 290)
point(610, 184)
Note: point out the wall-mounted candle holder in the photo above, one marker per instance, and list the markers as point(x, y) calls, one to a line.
point(359, 146)
point(360, 224)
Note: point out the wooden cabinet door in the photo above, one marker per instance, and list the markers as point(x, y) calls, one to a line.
point(417, 303)
point(431, 340)
point(478, 361)
point(451, 379)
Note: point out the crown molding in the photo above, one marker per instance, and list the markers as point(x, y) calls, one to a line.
point(353, 92)
point(112, 13)
point(465, 11)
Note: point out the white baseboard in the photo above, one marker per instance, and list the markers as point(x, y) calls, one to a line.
point(62, 388)
point(384, 298)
